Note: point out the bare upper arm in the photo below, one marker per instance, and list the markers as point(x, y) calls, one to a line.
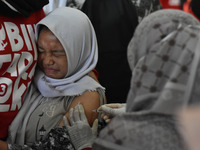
point(90, 100)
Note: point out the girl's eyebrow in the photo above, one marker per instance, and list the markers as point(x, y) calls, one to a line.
point(61, 51)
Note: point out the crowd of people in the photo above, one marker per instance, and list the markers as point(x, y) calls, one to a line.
point(99, 75)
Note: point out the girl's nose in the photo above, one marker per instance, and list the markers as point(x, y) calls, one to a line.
point(48, 59)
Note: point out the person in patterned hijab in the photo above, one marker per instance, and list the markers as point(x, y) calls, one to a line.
point(165, 78)
point(148, 40)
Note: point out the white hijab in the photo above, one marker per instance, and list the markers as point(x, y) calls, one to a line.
point(77, 36)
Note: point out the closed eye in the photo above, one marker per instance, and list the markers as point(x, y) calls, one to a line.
point(40, 49)
point(58, 53)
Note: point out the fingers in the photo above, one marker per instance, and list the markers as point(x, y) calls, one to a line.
point(106, 109)
point(77, 114)
point(66, 123)
point(82, 113)
point(107, 114)
point(114, 105)
point(110, 111)
point(106, 117)
point(95, 127)
point(108, 120)
point(71, 116)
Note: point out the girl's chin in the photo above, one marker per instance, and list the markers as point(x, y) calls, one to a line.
point(50, 75)
point(54, 76)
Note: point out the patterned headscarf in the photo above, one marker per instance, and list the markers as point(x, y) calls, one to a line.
point(166, 78)
point(153, 29)
point(159, 39)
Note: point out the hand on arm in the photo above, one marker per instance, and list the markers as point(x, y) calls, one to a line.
point(90, 101)
point(80, 132)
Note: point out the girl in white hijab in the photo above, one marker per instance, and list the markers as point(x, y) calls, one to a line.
point(52, 93)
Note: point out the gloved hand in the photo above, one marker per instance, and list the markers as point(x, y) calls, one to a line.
point(80, 132)
point(111, 110)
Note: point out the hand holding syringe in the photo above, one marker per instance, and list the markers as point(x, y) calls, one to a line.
point(111, 110)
